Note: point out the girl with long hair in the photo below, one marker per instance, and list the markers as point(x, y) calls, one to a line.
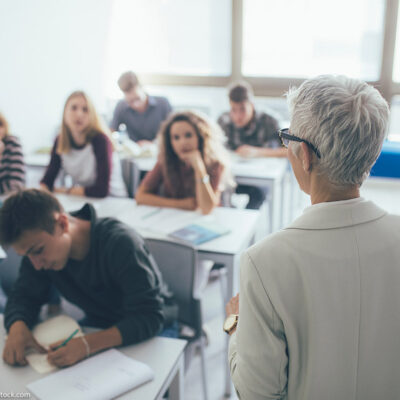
point(192, 168)
point(84, 151)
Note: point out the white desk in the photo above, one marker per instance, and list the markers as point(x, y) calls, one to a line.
point(225, 249)
point(264, 173)
point(261, 172)
point(163, 355)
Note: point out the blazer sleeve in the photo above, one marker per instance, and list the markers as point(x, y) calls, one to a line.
point(102, 149)
point(257, 350)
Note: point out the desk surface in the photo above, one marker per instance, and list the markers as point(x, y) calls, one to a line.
point(161, 354)
point(241, 223)
point(269, 168)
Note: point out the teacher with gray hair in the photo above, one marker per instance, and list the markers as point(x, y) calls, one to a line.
point(319, 310)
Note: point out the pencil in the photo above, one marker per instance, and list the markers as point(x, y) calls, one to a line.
point(67, 339)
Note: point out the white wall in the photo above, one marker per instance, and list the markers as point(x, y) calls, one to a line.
point(48, 49)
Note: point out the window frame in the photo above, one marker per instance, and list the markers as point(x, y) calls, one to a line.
point(276, 87)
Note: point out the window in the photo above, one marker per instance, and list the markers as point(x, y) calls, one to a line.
point(175, 37)
point(394, 128)
point(304, 38)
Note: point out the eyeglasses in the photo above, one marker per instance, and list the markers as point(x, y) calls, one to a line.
point(287, 137)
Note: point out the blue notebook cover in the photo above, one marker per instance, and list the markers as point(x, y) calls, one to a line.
point(199, 233)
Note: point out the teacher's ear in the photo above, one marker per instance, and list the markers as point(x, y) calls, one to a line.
point(306, 156)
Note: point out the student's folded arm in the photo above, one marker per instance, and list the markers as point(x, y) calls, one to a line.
point(102, 149)
point(206, 198)
point(257, 350)
point(208, 195)
point(30, 292)
point(144, 196)
point(134, 273)
point(148, 189)
point(272, 152)
point(53, 168)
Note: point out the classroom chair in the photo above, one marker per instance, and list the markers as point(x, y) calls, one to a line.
point(178, 263)
point(9, 269)
point(130, 176)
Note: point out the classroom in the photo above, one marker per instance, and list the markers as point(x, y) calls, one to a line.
point(199, 199)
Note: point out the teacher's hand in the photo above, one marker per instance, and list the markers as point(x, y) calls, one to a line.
point(233, 306)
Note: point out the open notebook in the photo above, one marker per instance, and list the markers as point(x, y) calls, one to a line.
point(46, 333)
point(101, 377)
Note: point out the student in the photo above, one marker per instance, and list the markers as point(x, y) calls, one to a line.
point(84, 152)
point(192, 168)
point(12, 170)
point(141, 113)
point(99, 264)
point(250, 134)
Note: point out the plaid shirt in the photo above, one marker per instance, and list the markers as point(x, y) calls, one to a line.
point(260, 132)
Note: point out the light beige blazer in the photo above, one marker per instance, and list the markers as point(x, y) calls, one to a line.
point(319, 314)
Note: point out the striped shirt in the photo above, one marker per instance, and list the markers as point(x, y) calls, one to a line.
point(12, 168)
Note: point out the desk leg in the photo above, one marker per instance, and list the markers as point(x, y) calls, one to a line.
point(271, 201)
point(176, 389)
point(282, 202)
point(292, 202)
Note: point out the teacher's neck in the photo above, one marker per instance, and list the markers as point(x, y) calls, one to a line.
point(323, 191)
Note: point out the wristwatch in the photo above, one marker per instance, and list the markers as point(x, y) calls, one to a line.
point(205, 179)
point(231, 323)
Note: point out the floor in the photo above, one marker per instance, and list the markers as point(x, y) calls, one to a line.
point(385, 193)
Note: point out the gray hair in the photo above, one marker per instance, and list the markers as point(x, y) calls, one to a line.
point(346, 119)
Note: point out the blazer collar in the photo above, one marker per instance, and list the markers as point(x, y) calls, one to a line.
point(337, 215)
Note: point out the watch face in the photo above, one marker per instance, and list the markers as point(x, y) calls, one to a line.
point(230, 322)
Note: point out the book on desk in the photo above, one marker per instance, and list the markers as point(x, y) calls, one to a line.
point(199, 232)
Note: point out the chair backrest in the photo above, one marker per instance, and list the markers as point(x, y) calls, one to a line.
point(9, 269)
point(130, 175)
point(178, 263)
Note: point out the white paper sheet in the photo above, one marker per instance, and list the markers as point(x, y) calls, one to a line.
point(101, 377)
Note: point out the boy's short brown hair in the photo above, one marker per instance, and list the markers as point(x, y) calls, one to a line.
point(127, 81)
point(240, 92)
point(28, 209)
